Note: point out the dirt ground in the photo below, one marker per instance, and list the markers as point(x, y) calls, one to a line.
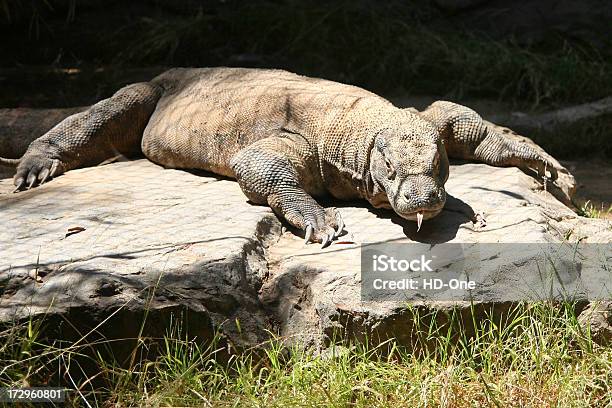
point(594, 180)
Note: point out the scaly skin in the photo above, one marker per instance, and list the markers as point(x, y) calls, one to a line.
point(285, 138)
point(467, 137)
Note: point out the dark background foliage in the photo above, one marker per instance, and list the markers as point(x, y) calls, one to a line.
point(536, 52)
point(529, 55)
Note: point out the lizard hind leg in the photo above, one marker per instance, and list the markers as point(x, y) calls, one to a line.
point(110, 127)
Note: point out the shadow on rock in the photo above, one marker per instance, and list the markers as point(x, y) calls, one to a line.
point(439, 229)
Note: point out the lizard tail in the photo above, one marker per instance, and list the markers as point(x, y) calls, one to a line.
point(9, 162)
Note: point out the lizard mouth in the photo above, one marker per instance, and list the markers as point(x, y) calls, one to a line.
point(420, 215)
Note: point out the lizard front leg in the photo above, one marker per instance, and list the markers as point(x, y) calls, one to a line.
point(110, 127)
point(467, 136)
point(272, 171)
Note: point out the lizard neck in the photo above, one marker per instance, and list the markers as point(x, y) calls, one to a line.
point(373, 125)
point(346, 163)
point(360, 154)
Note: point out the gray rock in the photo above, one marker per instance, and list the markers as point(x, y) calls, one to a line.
point(107, 246)
point(596, 319)
point(136, 237)
point(317, 295)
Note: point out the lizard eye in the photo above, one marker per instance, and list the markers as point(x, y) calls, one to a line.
point(390, 169)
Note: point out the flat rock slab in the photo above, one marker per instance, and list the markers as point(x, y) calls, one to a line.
point(317, 292)
point(129, 237)
point(107, 237)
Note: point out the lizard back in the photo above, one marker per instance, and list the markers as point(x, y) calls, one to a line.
point(207, 115)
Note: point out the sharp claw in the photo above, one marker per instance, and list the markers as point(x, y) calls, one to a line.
point(340, 225)
point(546, 170)
point(45, 175)
point(308, 234)
point(20, 182)
point(419, 220)
point(326, 241)
point(553, 172)
point(54, 167)
point(31, 182)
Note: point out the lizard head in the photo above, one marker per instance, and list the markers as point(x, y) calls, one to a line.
point(409, 167)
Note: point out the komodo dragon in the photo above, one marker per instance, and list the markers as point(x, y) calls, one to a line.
point(286, 139)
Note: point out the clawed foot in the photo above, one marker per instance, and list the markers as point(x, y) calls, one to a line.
point(323, 227)
point(545, 169)
point(36, 170)
point(498, 150)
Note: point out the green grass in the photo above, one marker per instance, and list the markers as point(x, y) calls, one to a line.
point(590, 211)
point(533, 355)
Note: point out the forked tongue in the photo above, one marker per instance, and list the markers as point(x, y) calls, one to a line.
point(419, 220)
